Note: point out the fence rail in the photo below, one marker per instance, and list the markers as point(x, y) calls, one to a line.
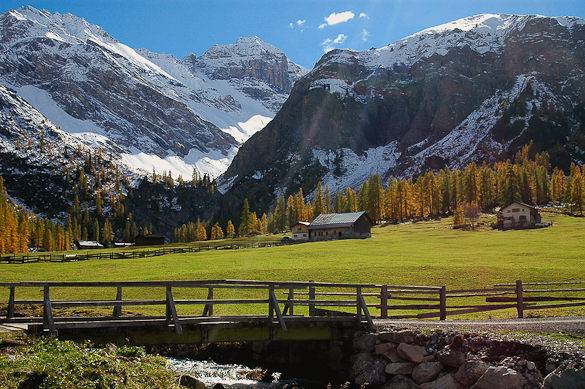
point(128, 254)
point(298, 299)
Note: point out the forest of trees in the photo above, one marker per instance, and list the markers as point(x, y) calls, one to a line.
point(20, 229)
point(98, 211)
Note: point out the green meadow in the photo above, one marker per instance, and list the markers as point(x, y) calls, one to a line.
point(424, 253)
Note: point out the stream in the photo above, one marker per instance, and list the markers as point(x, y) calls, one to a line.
point(216, 375)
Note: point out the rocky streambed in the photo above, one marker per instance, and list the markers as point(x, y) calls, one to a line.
point(407, 359)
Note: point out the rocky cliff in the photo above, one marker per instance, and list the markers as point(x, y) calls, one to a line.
point(475, 89)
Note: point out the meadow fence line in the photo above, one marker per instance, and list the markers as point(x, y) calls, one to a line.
point(129, 254)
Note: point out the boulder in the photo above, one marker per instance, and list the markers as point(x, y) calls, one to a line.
point(451, 357)
point(383, 348)
point(499, 377)
point(399, 368)
point(444, 382)
point(188, 381)
point(470, 372)
point(567, 379)
point(426, 371)
point(372, 373)
point(403, 336)
point(410, 352)
point(400, 382)
point(361, 362)
point(364, 343)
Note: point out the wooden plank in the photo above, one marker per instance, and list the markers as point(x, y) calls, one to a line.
point(550, 306)
point(10, 309)
point(384, 301)
point(414, 306)
point(117, 311)
point(532, 299)
point(401, 298)
point(208, 309)
point(276, 307)
point(173, 311)
point(365, 310)
point(547, 283)
point(48, 322)
point(519, 301)
point(443, 303)
point(553, 290)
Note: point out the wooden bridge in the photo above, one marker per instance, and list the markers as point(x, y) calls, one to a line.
point(202, 311)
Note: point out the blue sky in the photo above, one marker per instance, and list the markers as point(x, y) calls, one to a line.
point(182, 27)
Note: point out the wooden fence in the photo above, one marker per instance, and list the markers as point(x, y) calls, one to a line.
point(128, 254)
point(297, 300)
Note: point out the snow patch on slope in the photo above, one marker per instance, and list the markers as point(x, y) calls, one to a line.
point(356, 168)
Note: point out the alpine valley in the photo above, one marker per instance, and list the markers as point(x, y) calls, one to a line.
point(473, 90)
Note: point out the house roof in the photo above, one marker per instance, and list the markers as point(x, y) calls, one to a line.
point(89, 243)
point(303, 223)
point(520, 203)
point(326, 220)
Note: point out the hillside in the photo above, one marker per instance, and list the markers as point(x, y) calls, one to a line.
point(475, 89)
point(153, 111)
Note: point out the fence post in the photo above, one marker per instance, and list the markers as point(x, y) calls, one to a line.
point(10, 310)
point(270, 304)
point(208, 310)
point(384, 302)
point(48, 322)
point(118, 307)
point(519, 299)
point(312, 299)
point(358, 297)
point(443, 303)
point(291, 305)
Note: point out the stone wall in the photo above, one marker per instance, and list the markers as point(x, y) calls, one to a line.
point(405, 359)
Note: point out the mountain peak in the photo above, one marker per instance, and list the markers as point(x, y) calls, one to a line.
point(243, 47)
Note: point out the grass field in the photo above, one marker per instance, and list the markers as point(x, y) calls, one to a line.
point(426, 253)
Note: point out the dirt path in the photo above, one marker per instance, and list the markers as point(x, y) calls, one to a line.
point(568, 325)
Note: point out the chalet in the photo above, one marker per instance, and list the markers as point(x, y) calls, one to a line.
point(300, 231)
point(87, 245)
point(340, 226)
point(149, 240)
point(518, 215)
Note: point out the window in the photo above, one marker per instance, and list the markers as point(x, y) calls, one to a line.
point(516, 210)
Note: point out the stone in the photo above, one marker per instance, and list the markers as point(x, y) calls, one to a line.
point(470, 372)
point(399, 368)
point(361, 362)
point(191, 382)
point(410, 352)
point(450, 357)
point(364, 343)
point(403, 336)
point(429, 358)
point(400, 382)
point(444, 382)
point(383, 348)
point(499, 377)
point(426, 371)
point(393, 357)
point(369, 371)
point(566, 379)
point(530, 365)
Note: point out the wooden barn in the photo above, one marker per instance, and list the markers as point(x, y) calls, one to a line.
point(87, 245)
point(518, 216)
point(329, 226)
point(149, 240)
point(300, 231)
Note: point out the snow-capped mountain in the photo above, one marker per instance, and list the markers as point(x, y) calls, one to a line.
point(153, 110)
point(38, 161)
point(475, 89)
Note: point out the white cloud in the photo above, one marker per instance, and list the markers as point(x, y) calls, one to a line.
point(331, 43)
point(365, 34)
point(340, 39)
point(337, 18)
point(364, 15)
point(300, 24)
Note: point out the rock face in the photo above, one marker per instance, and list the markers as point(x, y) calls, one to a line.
point(499, 377)
point(442, 360)
point(153, 110)
point(475, 89)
